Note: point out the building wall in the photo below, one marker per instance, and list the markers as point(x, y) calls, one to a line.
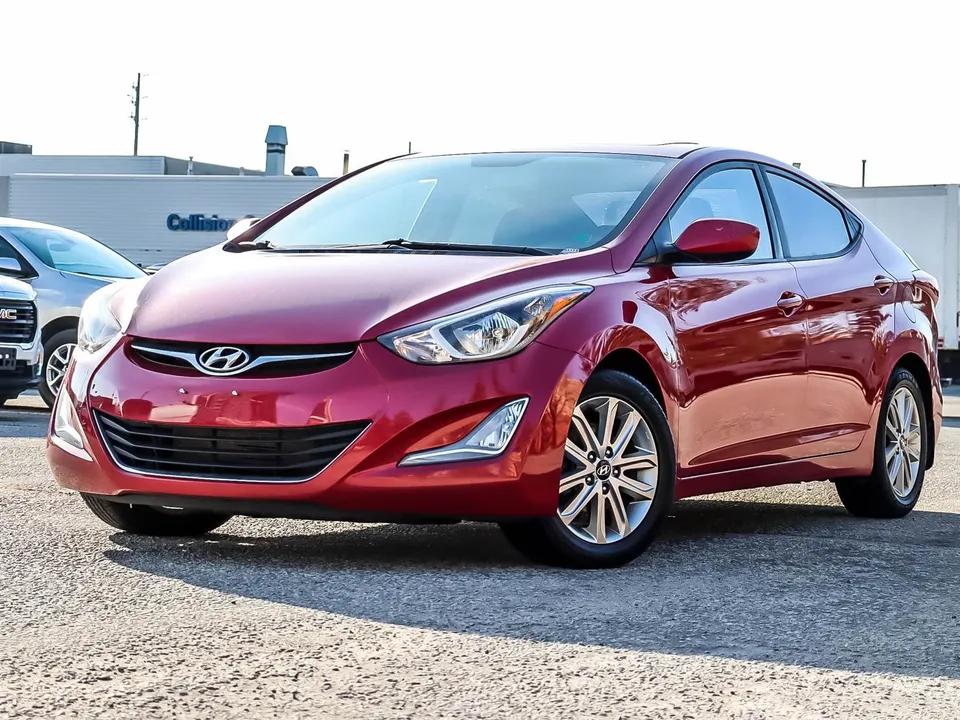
point(4, 196)
point(83, 164)
point(131, 213)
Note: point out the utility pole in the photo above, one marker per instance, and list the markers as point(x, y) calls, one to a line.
point(863, 173)
point(410, 148)
point(136, 115)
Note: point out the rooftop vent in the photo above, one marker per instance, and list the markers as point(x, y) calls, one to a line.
point(276, 149)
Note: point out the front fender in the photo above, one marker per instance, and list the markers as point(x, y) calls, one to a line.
point(621, 315)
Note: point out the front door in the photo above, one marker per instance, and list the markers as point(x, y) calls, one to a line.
point(741, 337)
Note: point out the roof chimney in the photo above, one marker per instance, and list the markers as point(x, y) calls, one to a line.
point(276, 149)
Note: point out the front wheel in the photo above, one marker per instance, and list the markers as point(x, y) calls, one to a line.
point(616, 482)
point(146, 520)
point(57, 352)
point(900, 456)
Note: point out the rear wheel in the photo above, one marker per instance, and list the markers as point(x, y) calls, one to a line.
point(617, 480)
point(146, 520)
point(899, 464)
point(57, 352)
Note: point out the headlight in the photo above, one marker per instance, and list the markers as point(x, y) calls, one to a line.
point(493, 330)
point(106, 313)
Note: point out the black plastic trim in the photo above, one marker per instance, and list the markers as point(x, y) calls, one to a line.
point(285, 509)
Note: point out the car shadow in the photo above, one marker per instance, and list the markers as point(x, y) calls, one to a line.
point(22, 421)
point(797, 584)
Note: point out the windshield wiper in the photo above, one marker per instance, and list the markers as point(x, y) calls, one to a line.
point(326, 248)
point(255, 245)
point(421, 245)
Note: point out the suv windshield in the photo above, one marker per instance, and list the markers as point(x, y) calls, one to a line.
point(74, 252)
point(553, 201)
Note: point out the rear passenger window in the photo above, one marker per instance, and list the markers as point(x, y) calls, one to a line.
point(812, 226)
point(731, 194)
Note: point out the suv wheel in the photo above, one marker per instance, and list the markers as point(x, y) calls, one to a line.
point(57, 352)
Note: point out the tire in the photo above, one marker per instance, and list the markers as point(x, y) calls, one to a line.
point(146, 520)
point(63, 338)
point(570, 543)
point(876, 495)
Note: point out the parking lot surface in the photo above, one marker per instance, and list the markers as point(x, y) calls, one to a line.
point(762, 604)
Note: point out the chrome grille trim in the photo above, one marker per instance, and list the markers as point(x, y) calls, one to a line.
point(191, 359)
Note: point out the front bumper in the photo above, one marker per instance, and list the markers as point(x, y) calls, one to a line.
point(410, 408)
point(29, 365)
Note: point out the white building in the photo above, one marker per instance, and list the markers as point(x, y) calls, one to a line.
point(149, 208)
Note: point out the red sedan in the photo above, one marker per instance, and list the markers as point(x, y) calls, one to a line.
point(561, 341)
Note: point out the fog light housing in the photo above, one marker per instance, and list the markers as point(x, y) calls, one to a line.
point(66, 425)
point(489, 439)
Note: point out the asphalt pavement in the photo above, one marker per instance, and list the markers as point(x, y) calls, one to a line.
point(761, 604)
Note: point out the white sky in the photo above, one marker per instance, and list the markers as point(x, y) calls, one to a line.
point(824, 83)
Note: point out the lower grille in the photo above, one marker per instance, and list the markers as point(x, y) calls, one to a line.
point(215, 453)
point(18, 321)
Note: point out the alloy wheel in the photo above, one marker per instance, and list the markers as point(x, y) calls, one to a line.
point(610, 471)
point(57, 365)
point(903, 447)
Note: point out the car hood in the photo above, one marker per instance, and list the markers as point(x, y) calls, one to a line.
point(11, 289)
point(278, 298)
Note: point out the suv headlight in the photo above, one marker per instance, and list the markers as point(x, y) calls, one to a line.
point(106, 313)
point(493, 330)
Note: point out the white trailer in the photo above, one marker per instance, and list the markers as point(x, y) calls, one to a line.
point(924, 220)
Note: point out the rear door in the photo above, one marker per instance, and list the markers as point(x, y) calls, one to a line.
point(740, 333)
point(849, 309)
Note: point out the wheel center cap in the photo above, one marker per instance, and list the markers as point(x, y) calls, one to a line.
point(603, 469)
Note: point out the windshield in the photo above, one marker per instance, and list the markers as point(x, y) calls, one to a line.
point(74, 252)
point(553, 201)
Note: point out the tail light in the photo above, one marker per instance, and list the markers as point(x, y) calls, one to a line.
point(924, 282)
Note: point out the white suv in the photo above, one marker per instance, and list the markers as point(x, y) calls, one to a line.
point(21, 352)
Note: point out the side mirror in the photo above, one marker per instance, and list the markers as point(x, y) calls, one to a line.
point(240, 227)
point(10, 266)
point(718, 240)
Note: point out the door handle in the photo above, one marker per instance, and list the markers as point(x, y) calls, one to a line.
point(882, 283)
point(789, 302)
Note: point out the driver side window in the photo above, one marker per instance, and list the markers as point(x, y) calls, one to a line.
point(730, 194)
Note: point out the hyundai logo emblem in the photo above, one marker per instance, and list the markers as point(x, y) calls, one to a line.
point(223, 360)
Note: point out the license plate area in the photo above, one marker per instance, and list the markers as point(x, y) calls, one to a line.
point(8, 359)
